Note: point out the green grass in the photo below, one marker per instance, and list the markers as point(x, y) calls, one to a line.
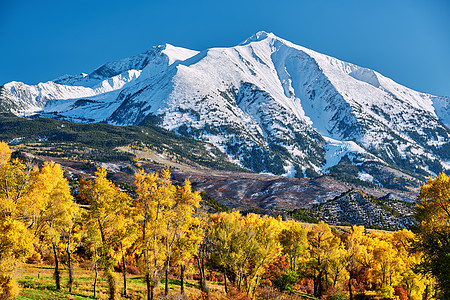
point(34, 287)
point(37, 282)
point(177, 282)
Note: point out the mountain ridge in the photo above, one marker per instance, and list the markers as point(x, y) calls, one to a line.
point(270, 105)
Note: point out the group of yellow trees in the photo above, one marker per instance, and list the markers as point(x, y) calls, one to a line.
point(33, 204)
point(245, 246)
point(37, 211)
point(159, 225)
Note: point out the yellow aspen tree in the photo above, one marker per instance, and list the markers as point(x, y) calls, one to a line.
point(245, 245)
point(222, 232)
point(15, 243)
point(126, 237)
point(57, 214)
point(178, 215)
point(17, 182)
point(155, 195)
point(414, 283)
point(433, 235)
point(266, 250)
point(293, 239)
point(337, 264)
point(243, 242)
point(190, 232)
point(383, 268)
point(107, 206)
point(204, 250)
point(93, 242)
point(322, 243)
point(71, 237)
point(355, 252)
point(17, 211)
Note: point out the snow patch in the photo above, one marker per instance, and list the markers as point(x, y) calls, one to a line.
point(335, 150)
point(365, 177)
point(290, 170)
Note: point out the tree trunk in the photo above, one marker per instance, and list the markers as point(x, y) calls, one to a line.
point(111, 283)
point(149, 287)
point(335, 280)
point(96, 274)
point(100, 226)
point(350, 285)
point(319, 285)
point(182, 267)
point(124, 271)
point(225, 280)
point(70, 267)
point(315, 284)
point(201, 268)
point(56, 273)
point(166, 284)
point(256, 285)
point(239, 282)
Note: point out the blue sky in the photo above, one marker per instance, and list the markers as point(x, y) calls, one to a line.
point(406, 40)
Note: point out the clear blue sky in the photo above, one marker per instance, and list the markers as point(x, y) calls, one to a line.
point(406, 40)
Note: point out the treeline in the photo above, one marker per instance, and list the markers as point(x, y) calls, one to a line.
point(160, 227)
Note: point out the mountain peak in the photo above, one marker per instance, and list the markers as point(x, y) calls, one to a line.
point(259, 36)
point(270, 105)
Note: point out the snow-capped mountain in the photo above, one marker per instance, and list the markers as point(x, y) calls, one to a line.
point(271, 105)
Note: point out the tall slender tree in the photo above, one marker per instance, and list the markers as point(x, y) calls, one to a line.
point(293, 239)
point(155, 196)
point(58, 212)
point(190, 233)
point(355, 250)
point(107, 211)
point(322, 242)
point(71, 237)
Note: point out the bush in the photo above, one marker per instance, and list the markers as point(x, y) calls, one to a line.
point(211, 276)
point(133, 270)
point(387, 292)
point(285, 282)
point(35, 258)
point(306, 286)
point(401, 293)
point(237, 295)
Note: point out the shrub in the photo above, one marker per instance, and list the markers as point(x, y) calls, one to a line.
point(285, 282)
point(237, 295)
point(401, 293)
point(305, 286)
point(133, 270)
point(211, 276)
point(35, 258)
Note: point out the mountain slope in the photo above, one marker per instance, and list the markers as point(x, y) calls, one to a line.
point(270, 105)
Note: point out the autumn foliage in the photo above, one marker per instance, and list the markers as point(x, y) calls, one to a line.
point(159, 230)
